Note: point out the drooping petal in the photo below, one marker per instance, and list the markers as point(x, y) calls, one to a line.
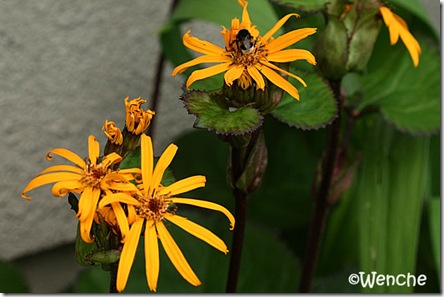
point(67, 154)
point(201, 46)
point(207, 205)
point(389, 20)
point(281, 82)
point(93, 149)
point(162, 165)
point(272, 66)
point(49, 178)
point(198, 231)
point(118, 197)
point(255, 74)
point(412, 46)
point(184, 185)
point(147, 160)
point(288, 39)
point(291, 55)
point(85, 229)
point(152, 263)
point(278, 25)
point(128, 253)
point(121, 219)
point(233, 73)
point(199, 60)
point(207, 72)
point(175, 254)
point(88, 203)
point(64, 187)
point(110, 159)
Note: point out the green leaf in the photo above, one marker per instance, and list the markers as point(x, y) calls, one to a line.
point(435, 231)
point(209, 264)
point(392, 184)
point(212, 113)
point(12, 279)
point(408, 97)
point(303, 5)
point(316, 108)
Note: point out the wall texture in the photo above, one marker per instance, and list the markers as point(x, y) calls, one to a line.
point(65, 67)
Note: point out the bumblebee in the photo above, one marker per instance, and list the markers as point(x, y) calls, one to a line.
point(245, 41)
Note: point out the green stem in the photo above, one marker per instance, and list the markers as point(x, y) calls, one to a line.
point(322, 208)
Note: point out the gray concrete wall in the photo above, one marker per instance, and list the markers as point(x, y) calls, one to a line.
point(65, 67)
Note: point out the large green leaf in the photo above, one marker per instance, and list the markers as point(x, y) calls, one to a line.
point(408, 97)
point(212, 113)
point(211, 265)
point(316, 108)
point(392, 184)
point(435, 231)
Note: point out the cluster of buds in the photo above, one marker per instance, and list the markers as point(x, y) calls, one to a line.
point(137, 120)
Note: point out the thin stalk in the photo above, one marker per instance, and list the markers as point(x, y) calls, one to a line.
point(160, 65)
point(321, 210)
point(113, 277)
point(238, 240)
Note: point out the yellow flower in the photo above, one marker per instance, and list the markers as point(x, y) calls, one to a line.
point(137, 119)
point(113, 132)
point(247, 56)
point(398, 27)
point(149, 208)
point(87, 178)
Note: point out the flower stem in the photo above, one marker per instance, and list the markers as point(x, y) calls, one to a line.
point(155, 94)
point(238, 239)
point(113, 277)
point(321, 209)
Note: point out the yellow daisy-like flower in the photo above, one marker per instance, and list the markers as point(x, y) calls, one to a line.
point(113, 132)
point(137, 119)
point(398, 28)
point(247, 56)
point(149, 208)
point(87, 178)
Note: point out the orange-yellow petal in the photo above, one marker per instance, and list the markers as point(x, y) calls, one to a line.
point(49, 178)
point(88, 203)
point(184, 185)
point(198, 231)
point(68, 168)
point(110, 159)
point(85, 229)
point(152, 263)
point(199, 60)
point(288, 39)
point(233, 73)
point(207, 205)
point(278, 25)
point(207, 72)
point(93, 149)
point(175, 254)
point(121, 219)
point(128, 253)
point(257, 77)
point(279, 81)
point(64, 187)
point(201, 46)
point(272, 66)
point(291, 55)
point(67, 154)
point(117, 197)
point(147, 159)
point(163, 163)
